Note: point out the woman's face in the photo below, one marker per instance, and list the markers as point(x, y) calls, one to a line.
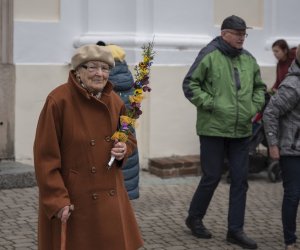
point(94, 75)
point(280, 54)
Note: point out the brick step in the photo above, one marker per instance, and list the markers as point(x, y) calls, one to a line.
point(175, 166)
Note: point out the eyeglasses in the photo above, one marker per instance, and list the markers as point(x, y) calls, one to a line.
point(239, 34)
point(94, 68)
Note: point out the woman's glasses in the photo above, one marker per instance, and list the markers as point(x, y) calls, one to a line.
point(94, 68)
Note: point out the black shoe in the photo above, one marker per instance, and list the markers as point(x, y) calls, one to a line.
point(241, 239)
point(197, 227)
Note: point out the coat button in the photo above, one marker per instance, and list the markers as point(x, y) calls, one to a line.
point(112, 192)
point(93, 170)
point(92, 142)
point(107, 138)
point(95, 196)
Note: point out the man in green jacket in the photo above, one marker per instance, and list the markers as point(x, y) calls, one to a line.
point(225, 85)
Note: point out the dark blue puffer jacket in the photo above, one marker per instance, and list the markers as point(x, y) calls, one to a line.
point(122, 79)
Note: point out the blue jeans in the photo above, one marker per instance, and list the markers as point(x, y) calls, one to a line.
point(212, 152)
point(290, 168)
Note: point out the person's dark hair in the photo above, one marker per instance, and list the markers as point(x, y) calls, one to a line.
point(298, 55)
point(101, 43)
point(282, 44)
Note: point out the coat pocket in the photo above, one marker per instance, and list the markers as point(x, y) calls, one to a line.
point(72, 179)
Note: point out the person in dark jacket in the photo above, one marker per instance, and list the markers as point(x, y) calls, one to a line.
point(285, 57)
point(123, 80)
point(282, 128)
point(225, 85)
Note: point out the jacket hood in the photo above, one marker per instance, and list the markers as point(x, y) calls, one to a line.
point(121, 77)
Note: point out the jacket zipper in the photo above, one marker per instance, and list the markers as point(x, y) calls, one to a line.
point(238, 87)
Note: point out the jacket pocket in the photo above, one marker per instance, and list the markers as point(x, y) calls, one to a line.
point(295, 142)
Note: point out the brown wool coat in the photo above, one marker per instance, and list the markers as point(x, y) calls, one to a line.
point(71, 151)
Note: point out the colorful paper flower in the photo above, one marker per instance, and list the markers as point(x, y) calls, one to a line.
point(142, 72)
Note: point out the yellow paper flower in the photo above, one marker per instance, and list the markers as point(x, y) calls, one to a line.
point(146, 59)
point(144, 72)
point(120, 136)
point(138, 92)
point(128, 120)
point(142, 65)
point(137, 99)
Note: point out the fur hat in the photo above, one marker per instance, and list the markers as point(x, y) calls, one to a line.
point(117, 52)
point(298, 53)
point(92, 52)
point(234, 23)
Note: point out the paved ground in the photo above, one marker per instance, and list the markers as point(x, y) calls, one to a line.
point(161, 211)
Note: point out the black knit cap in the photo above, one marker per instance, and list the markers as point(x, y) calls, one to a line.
point(234, 23)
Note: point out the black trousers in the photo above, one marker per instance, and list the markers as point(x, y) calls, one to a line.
point(290, 170)
point(212, 153)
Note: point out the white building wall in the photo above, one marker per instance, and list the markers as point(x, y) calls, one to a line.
point(43, 45)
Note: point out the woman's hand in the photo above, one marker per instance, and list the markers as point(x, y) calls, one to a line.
point(64, 213)
point(119, 150)
point(274, 152)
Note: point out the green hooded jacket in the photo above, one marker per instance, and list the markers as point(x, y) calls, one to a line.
point(226, 87)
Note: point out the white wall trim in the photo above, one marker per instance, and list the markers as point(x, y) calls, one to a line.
point(171, 41)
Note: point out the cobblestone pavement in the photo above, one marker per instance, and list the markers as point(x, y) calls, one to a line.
point(161, 211)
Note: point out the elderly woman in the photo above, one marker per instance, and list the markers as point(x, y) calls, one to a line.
point(71, 151)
